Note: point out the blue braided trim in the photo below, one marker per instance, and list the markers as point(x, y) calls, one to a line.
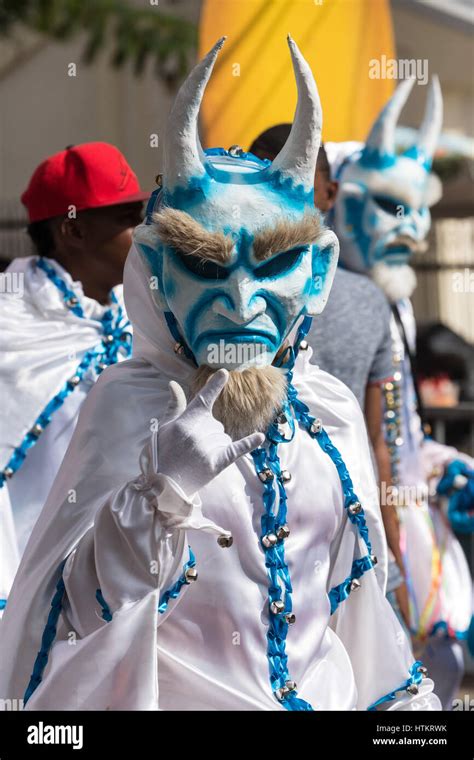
point(49, 634)
point(106, 613)
point(70, 298)
point(340, 592)
point(116, 339)
point(350, 498)
point(174, 591)
point(3, 604)
point(277, 570)
point(415, 678)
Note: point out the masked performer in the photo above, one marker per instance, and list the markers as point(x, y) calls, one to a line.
point(381, 217)
point(63, 322)
point(221, 553)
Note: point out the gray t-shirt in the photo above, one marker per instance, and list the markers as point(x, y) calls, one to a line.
point(351, 338)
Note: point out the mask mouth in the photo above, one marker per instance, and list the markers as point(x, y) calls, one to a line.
point(404, 245)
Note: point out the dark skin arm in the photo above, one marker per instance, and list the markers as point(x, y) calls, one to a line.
point(373, 417)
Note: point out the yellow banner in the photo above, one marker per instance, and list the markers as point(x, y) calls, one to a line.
point(253, 86)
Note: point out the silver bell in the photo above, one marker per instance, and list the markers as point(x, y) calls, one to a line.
point(283, 532)
point(290, 618)
point(265, 475)
point(178, 348)
point(225, 541)
point(73, 301)
point(285, 476)
point(102, 365)
point(269, 540)
point(191, 575)
point(277, 606)
point(108, 338)
point(423, 671)
point(37, 429)
point(412, 689)
point(303, 345)
point(355, 508)
point(355, 584)
point(280, 419)
point(459, 482)
point(316, 426)
point(8, 472)
point(290, 685)
point(74, 380)
point(373, 559)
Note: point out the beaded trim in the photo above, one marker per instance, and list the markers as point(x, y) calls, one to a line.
point(417, 673)
point(116, 339)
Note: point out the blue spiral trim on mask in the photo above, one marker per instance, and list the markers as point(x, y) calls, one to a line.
point(415, 679)
point(278, 572)
point(174, 330)
point(116, 339)
point(49, 634)
point(340, 592)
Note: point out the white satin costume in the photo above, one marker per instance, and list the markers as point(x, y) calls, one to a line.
point(54, 342)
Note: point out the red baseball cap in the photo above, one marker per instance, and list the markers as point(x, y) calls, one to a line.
point(90, 175)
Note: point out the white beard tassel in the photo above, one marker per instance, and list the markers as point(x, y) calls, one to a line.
point(396, 281)
point(250, 400)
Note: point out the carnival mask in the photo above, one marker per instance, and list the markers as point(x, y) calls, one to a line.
point(382, 212)
point(236, 247)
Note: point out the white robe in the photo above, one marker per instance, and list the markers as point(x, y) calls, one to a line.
point(208, 651)
point(438, 576)
point(41, 344)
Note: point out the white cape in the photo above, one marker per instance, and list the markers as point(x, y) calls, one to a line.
point(208, 651)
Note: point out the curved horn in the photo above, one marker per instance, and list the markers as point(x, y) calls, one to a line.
point(432, 121)
point(381, 140)
point(183, 154)
point(298, 156)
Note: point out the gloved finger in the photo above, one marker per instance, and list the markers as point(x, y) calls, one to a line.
point(211, 390)
point(243, 446)
point(177, 401)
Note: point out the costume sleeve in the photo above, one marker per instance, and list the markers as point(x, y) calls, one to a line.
point(385, 672)
point(382, 365)
point(120, 582)
point(137, 545)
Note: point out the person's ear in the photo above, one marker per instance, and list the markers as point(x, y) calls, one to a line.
point(70, 233)
point(332, 189)
point(325, 253)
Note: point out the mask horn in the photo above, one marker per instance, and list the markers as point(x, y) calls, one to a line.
point(380, 143)
point(432, 121)
point(183, 154)
point(297, 159)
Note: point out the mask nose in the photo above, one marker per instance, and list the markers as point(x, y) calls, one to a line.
point(239, 303)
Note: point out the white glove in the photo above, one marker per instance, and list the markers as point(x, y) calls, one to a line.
point(193, 446)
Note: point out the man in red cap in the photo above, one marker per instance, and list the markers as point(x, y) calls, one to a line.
point(63, 325)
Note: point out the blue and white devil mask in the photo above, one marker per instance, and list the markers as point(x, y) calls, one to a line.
point(234, 244)
point(382, 212)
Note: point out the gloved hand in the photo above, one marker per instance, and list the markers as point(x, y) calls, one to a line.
point(193, 446)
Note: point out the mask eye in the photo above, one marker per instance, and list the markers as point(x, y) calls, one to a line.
point(204, 268)
point(280, 264)
point(395, 208)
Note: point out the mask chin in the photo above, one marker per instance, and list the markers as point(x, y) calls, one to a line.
point(249, 401)
point(397, 280)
